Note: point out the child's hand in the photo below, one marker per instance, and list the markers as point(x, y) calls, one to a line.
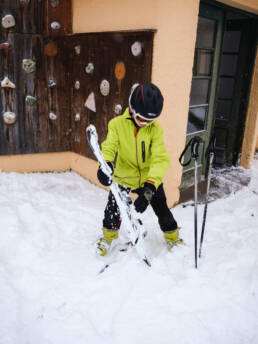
point(145, 196)
point(102, 177)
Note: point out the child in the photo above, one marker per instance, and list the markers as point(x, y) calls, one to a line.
point(135, 151)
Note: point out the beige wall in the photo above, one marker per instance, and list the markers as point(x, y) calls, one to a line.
point(51, 162)
point(43, 162)
point(257, 137)
point(246, 5)
point(251, 127)
point(172, 57)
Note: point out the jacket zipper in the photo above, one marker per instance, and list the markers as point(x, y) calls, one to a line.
point(137, 159)
point(143, 151)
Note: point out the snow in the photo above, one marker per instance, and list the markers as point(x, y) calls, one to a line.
point(51, 292)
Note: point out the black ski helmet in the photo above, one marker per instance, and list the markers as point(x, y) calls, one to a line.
point(147, 100)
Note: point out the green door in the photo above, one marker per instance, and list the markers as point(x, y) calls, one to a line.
point(234, 80)
point(204, 81)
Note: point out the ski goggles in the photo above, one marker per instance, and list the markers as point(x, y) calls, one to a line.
point(141, 119)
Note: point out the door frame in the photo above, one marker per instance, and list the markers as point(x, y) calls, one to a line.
point(206, 8)
point(209, 12)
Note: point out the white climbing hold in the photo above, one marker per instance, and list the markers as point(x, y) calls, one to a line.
point(8, 21)
point(90, 102)
point(9, 117)
point(52, 116)
point(6, 82)
point(104, 88)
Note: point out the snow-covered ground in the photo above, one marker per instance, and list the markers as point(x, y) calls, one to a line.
point(50, 292)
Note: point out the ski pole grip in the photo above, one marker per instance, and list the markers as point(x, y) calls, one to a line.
point(213, 143)
point(183, 153)
point(195, 146)
point(211, 146)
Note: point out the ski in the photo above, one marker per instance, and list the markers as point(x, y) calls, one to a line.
point(133, 225)
point(123, 248)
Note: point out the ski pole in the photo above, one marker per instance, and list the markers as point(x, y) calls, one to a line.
point(195, 154)
point(210, 151)
point(194, 144)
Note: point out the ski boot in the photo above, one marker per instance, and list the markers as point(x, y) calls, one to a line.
point(104, 243)
point(172, 238)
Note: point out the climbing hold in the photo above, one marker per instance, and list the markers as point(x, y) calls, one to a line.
point(8, 21)
point(52, 116)
point(89, 68)
point(136, 48)
point(9, 117)
point(30, 100)
point(6, 82)
point(51, 49)
point(51, 83)
point(28, 65)
point(90, 102)
point(77, 49)
point(77, 117)
point(55, 25)
point(54, 3)
point(118, 109)
point(104, 87)
point(77, 85)
point(120, 70)
point(4, 46)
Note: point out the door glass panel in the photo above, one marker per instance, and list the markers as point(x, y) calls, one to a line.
point(223, 109)
point(226, 87)
point(205, 33)
point(228, 64)
point(231, 41)
point(196, 119)
point(199, 91)
point(221, 137)
point(202, 63)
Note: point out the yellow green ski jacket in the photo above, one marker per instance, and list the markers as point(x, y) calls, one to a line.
point(141, 154)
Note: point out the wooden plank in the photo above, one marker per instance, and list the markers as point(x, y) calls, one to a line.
point(57, 130)
point(9, 132)
point(59, 11)
point(29, 15)
point(104, 51)
point(34, 131)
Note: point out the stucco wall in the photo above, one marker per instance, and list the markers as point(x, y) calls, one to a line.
point(44, 162)
point(173, 53)
point(246, 5)
point(251, 128)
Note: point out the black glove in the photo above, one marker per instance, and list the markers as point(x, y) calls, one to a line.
point(102, 177)
point(145, 196)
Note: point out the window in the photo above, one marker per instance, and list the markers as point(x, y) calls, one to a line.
point(202, 69)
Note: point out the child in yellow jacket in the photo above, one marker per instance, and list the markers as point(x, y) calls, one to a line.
point(135, 151)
